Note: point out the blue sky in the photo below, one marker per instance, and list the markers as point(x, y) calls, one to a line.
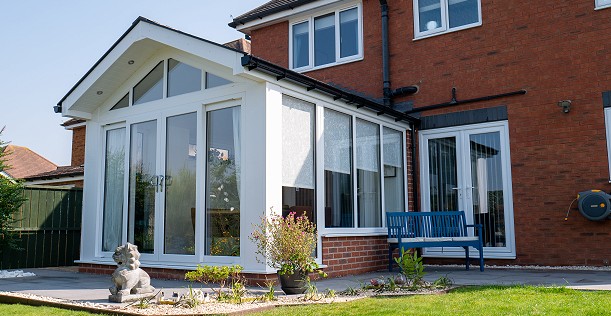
point(47, 46)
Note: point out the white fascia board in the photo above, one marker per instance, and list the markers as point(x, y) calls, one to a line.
point(75, 114)
point(71, 127)
point(102, 67)
point(56, 180)
point(284, 15)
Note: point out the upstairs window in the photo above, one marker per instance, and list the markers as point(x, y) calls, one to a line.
point(442, 16)
point(326, 39)
point(600, 4)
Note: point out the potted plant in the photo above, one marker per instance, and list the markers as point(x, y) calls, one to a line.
point(287, 244)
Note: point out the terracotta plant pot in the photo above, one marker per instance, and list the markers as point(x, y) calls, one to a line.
point(293, 283)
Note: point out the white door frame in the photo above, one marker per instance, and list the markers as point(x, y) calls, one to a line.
point(464, 182)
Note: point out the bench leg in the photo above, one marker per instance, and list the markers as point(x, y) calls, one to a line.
point(481, 259)
point(467, 256)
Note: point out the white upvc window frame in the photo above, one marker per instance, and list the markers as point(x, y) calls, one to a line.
point(602, 4)
point(338, 60)
point(608, 134)
point(445, 20)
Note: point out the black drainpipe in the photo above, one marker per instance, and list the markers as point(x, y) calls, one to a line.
point(385, 55)
point(389, 94)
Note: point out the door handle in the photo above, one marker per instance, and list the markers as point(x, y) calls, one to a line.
point(469, 192)
point(155, 181)
point(161, 178)
point(459, 192)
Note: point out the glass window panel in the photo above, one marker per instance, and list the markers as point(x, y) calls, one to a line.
point(394, 197)
point(183, 78)
point(443, 174)
point(142, 185)
point(150, 88)
point(487, 180)
point(324, 39)
point(180, 211)
point(301, 45)
point(298, 193)
point(114, 176)
point(429, 14)
point(463, 12)
point(223, 183)
point(123, 103)
point(213, 81)
point(348, 33)
point(368, 174)
point(338, 169)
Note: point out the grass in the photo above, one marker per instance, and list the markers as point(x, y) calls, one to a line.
point(26, 310)
point(489, 300)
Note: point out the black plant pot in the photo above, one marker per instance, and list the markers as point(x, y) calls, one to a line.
point(293, 283)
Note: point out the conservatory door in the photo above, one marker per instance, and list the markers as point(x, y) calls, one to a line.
point(162, 187)
point(467, 168)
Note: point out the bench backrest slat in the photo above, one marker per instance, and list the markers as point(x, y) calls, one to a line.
point(426, 224)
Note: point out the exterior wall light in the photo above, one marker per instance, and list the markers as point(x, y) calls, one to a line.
point(565, 105)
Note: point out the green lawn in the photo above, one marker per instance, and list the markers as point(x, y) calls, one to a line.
point(489, 300)
point(26, 310)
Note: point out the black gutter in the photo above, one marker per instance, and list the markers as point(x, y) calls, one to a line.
point(456, 102)
point(252, 62)
point(138, 20)
point(247, 17)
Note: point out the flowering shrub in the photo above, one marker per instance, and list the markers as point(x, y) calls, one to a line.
point(287, 243)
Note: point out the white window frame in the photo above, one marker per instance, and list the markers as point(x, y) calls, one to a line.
point(608, 133)
point(602, 4)
point(445, 18)
point(338, 59)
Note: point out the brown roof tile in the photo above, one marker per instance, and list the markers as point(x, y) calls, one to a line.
point(62, 171)
point(24, 162)
point(239, 44)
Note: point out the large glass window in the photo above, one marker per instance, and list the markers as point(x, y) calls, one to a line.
point(180, 211)
point(603, 4)
point(338, 170)
point(150, 88)
point(368, 174)
point(394, 196)
point(223, 182)
point(143, 184)
point(114, 175)
point(298, 194)
point(183, 78)
point(324, 40)
point(213, 81)
point(301, 47)
point(123, 103)
point(319, 41)
point(438, 16)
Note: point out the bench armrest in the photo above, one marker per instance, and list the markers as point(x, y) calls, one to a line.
point(479, 228)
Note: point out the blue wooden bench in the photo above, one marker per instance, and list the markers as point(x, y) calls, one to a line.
point(432, 229)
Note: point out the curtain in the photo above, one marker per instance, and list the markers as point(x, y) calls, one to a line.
point(297, 143)
point(482, 185)
point(237, 144)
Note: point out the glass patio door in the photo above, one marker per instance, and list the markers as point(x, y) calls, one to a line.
point(162, 186)
point(467, 168)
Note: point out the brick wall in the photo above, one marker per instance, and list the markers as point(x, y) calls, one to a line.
point(78, 146)
point(556, 50)
point(354, 255)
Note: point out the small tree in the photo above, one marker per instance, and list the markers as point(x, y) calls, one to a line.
point(11, 199)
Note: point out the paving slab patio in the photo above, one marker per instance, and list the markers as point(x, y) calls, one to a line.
point(71, 285)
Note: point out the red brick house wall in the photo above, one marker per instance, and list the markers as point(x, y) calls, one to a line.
point(78, 146)
point(556, 50)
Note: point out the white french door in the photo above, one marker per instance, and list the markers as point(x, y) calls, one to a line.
point(468, 168)
point(161, 181)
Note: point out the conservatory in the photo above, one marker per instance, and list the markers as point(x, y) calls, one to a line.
point(189, 143)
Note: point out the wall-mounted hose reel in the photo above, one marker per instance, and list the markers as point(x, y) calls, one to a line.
point(594, 205)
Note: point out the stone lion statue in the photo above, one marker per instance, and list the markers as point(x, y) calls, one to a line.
point(128, 278)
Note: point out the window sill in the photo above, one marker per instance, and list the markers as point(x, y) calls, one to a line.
point(353, 232)
point(304, 70)
point(604, 6)
point(448, 31)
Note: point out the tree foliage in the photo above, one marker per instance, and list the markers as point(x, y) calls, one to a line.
point(11, 199)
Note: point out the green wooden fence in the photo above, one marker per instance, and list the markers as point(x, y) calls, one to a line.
point(49, 228)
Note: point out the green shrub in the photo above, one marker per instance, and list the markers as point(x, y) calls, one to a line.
point(411, 266)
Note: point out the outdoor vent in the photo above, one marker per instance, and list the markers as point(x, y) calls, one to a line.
point(594, 205)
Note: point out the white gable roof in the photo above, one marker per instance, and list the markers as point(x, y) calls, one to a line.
point(138, 43)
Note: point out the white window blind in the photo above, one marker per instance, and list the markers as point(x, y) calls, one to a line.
point(367, 146)
point(392, 148)
point(297, 143)
point(338, 138)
